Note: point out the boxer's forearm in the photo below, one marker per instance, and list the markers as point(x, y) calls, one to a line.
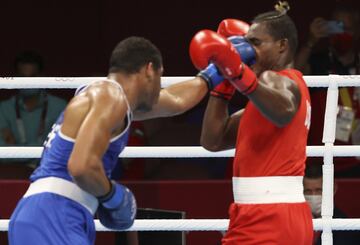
point(187, 94)
point(176, 99)
point(92, 180)
point(219, 130)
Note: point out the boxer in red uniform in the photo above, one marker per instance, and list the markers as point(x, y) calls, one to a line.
point(269, 135)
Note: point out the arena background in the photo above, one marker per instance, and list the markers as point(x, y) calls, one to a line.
point(75, 38)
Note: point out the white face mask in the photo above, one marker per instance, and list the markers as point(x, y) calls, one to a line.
point(315, 203)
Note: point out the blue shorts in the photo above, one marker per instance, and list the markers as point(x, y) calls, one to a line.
point(49, 218)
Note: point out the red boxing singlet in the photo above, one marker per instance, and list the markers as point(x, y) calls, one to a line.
point(263, 149)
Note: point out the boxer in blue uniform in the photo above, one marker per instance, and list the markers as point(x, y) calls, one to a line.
point(72, 181)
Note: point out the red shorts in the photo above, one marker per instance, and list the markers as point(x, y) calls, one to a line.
point(280, 224)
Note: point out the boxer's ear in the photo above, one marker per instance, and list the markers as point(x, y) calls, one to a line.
point(150, 66)
point(149, 69)
point(283, 45)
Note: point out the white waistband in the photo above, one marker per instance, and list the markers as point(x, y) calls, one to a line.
point(272, 189)
point(64, 188)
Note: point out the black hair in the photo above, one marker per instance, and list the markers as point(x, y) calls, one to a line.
point(313, 171)
point(280, 26)
point(132, 53)
point(29, 57)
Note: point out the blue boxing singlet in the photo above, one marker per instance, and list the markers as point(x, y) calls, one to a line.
point(54, 210)
point(58, 147)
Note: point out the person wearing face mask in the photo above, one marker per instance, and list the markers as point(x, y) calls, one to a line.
point(332, 47)
point(27, 116)
point(313, 195)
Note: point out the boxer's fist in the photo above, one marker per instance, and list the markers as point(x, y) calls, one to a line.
point(212, 75)
point(117, 210)
point(247, 82)
point(244, 48)
point(233, 27)
point(208, 46)
point(235, 30)
point(224, 90)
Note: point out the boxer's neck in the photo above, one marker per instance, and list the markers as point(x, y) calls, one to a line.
point(130, 85)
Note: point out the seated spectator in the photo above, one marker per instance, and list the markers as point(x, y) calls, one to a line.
point(313, 195)
point(27, 117)
point(334, 49)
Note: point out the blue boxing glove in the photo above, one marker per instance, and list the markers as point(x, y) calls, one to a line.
point(247, 53)
point(211, 75)
point(117, 209)
point(244, 48)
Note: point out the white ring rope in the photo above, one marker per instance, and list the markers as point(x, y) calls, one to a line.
point(204, 225)
point(64, 82)
point(177, 152)
point(328, 151)
point(74, 82)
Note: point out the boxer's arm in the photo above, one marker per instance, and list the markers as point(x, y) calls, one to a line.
point(219, 129)
point(176, 99)
point(277, 97)
point(85, 163)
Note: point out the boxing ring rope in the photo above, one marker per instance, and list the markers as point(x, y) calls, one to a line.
point(177, 152)
point(74, 82)
point(328, 151)
point(204, 225)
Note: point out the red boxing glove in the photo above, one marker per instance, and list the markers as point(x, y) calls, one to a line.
point(228, 28)
point(233, 27)
point(208, 46)
point(224, 90)
point(247, 81)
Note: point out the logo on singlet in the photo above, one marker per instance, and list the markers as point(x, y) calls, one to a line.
point(308, 115)
point(51, 136)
